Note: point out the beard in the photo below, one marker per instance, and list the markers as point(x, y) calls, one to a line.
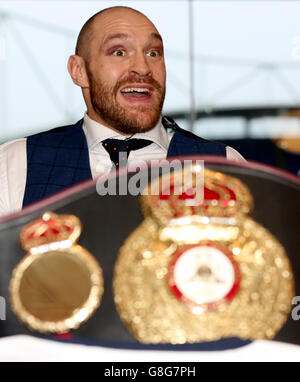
point(131, 119)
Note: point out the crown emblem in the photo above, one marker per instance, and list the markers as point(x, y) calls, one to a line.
point(213, 195)
point(50, 228)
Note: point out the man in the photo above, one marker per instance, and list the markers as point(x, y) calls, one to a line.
point(119, 65)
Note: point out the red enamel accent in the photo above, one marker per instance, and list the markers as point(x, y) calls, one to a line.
point(51, 228)
point(69, 229)
point(185, 196)
point(212, 305)
point(64, 336)
point(210, 194)
point(231, 193)
point(170, 192)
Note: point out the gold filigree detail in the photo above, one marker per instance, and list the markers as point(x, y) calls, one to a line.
point(153, 314)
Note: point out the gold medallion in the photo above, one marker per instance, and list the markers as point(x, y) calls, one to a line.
point(203, 276)
point(58, 284)
point(201, 272)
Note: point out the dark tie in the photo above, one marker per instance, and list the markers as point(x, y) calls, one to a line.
point(116, 146)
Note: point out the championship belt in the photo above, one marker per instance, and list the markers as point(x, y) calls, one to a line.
point(58, 284)
point(200, 268)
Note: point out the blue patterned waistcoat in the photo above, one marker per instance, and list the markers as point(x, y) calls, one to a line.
point(59, 158)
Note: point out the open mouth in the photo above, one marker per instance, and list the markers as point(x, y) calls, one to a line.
point(136, 94)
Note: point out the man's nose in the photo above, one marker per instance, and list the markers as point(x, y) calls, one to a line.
point(140, 65)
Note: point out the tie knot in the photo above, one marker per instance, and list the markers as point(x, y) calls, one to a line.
point(119, 149)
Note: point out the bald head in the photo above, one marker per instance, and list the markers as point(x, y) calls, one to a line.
point(86, 34)
point(119, 49)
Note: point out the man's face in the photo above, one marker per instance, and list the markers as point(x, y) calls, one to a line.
point(126, 72)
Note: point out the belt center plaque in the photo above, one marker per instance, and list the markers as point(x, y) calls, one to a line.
point(201, 270)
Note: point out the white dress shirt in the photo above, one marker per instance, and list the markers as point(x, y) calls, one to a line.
point(13, 159)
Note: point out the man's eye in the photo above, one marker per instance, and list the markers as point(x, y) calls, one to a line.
point(119, 52)
point(153, 53)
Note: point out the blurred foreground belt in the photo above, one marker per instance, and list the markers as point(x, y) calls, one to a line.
point(156, 299)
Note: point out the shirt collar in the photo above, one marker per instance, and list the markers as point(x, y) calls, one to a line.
point(96, 133)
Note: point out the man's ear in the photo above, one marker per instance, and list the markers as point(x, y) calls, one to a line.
point(77, 70)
